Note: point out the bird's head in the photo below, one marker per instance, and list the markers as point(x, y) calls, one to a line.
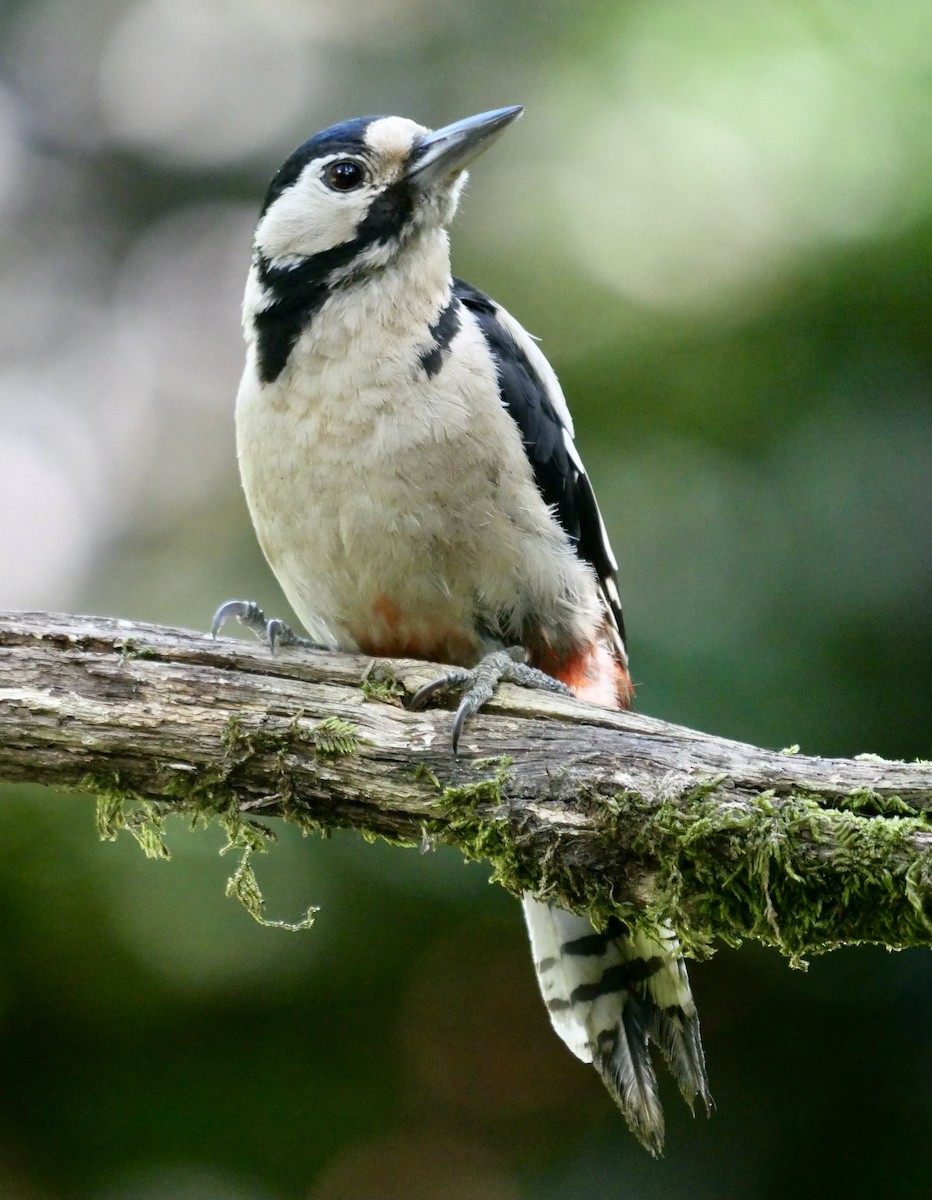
point(351, 196)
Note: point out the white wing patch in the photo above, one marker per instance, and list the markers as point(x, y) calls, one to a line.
point(545, 372)
point(548, 378)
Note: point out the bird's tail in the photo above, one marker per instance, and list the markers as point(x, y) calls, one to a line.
point(611, 994)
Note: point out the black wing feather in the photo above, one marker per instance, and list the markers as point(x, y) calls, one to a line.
point(564, 487)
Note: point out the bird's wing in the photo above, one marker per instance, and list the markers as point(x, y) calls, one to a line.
point(532, 395)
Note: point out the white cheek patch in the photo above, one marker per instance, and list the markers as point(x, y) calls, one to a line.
point(309, 217)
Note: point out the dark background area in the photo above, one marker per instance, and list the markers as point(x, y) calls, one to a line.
point(718, 218)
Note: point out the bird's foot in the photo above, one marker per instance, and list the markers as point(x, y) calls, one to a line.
point(248, 613)
point(481, 682)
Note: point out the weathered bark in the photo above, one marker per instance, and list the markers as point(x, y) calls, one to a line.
point(605, 810)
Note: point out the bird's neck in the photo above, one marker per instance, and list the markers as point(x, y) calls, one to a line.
point(396, 301)
point(360, 307)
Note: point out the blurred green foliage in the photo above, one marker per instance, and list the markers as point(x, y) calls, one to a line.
point(718, 217)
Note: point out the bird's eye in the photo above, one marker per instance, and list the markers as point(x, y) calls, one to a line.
point(345, 175)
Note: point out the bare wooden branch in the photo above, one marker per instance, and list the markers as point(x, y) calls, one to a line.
point(603, 810)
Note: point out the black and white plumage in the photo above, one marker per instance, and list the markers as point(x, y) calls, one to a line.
point(408, 460)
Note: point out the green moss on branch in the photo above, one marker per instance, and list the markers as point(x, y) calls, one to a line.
point(787, 871)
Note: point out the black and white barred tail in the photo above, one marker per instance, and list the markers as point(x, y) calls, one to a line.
point(611, 994)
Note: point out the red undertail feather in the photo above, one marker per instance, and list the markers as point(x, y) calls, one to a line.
point(593, 673)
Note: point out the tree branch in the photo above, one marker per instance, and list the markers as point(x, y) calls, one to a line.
point(607, 811)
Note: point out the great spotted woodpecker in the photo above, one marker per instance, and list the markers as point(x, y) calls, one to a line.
point(408, 460)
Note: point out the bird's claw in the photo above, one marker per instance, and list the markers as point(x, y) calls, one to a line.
point(480, 684)
point(248, 613)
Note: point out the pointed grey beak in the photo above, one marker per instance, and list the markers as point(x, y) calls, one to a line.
point(448, 151)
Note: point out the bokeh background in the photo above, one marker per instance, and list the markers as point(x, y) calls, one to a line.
point(718, 217)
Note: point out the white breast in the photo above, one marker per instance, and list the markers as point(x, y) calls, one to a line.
point(398, 510)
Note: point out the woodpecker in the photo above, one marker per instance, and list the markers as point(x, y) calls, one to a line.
point(408, 460)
